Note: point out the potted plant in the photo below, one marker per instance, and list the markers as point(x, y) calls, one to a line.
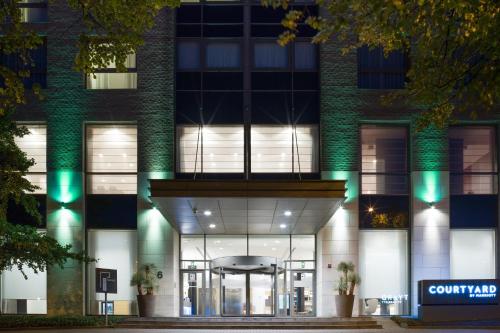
point(348, 280)
point(146, 281)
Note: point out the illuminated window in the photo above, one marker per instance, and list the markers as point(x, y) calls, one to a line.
point(33, 11)
point(473, 165)
point(210, 149)
point(384, 160)
point(108, 78)
point(288, 149)
point(472, 254)
point(112, 159)
point(35, 147)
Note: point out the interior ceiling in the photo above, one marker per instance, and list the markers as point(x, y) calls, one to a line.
point(247, 215)
point(247, 206)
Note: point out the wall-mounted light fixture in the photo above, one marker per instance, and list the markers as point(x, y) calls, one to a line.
point(432, 205)
point(153, 206)
point(63, 205)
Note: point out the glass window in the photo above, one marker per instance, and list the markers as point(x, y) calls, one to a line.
point(33, 11)
point(284, 148)
point(270, 55)
point(384, 160)
point(116, 249)
point(383, 266)
point(274, 246)
point(223, 55)
point(37, 67)
point(35, 147)
point(210, 149)
point(193, 248)
point(375, 71)
point(305, 56)
point(188, 55)
point(108, 78)
point(472, 254)
point(303, 247)
point(112, 159)
point(223, 246)
point(473, 161)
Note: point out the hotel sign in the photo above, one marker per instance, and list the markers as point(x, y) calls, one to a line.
point(458, 292)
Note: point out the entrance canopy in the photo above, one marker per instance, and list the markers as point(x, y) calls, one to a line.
point(247, 206)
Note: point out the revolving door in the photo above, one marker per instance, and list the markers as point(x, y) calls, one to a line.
point(248, 286)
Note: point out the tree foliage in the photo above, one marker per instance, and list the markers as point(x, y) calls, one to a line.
point(453, 47)
point(109, 31)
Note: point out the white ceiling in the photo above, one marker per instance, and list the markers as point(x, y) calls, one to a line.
point(235, 216)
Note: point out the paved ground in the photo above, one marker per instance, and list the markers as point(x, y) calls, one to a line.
point(389, 327)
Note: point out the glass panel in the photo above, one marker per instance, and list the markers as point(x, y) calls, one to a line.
point(384, 160)
point(192, 294)
point(472, 153)
point(215, 294)
point(261, 294)
point(223, 55)
point(112, 81)
point(192, 248)
point(223, 148)
point(34, 15)
point(274, 246)
point(34, 145)
point(21, 296)
point(112, 148)
point(223, 246)
point(191, 264)
point(115, 250)
point(188, 55)
point(383, 266)
point(303, 293)
point(112, 184)
point(303, 247)
point(234, 294)
point(270, 55)
point(472, 254)
point(274, 149)
point(305, 56)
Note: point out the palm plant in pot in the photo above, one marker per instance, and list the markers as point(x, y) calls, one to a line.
point(146, 281)
point(348, 280)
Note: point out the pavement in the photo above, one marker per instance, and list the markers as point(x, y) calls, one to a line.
point(389, 327)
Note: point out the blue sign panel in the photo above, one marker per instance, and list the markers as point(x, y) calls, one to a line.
point(458, 292)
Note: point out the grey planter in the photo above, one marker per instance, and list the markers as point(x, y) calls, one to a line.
point(344, 305)
point(146, 304)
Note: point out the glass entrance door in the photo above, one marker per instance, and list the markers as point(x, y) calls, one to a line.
point(261, 294)
point(303, 293)
point(234, 294)
point(193, 293)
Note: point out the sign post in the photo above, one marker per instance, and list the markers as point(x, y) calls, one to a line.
point(105, 283)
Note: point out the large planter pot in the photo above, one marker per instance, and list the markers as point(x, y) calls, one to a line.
point(146, 304)
point(344, 305)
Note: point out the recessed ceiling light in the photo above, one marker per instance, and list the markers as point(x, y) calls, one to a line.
point(212, 226)
point(282, 226)
point(288, 213)
point(221, 248)
point(274, 249)
point(370, 209)
point(217, 242)
point(277, 241)
point(207, 213)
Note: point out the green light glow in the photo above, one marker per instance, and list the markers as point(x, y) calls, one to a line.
point(429, 189)
point(66, 186)
point(351, 179)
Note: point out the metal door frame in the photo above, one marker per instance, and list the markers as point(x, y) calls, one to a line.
point(203, 288)
point(292, 291)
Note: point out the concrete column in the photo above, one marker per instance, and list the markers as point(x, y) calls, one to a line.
point(158, 243)
point(337, 241)
point(430, 240)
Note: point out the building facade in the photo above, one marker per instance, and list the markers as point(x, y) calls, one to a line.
point(212, 99)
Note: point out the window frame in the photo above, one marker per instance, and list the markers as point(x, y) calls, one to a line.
point(111, 70)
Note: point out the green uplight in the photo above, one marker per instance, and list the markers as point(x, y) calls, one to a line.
point(67, 186)
point(429, 189)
